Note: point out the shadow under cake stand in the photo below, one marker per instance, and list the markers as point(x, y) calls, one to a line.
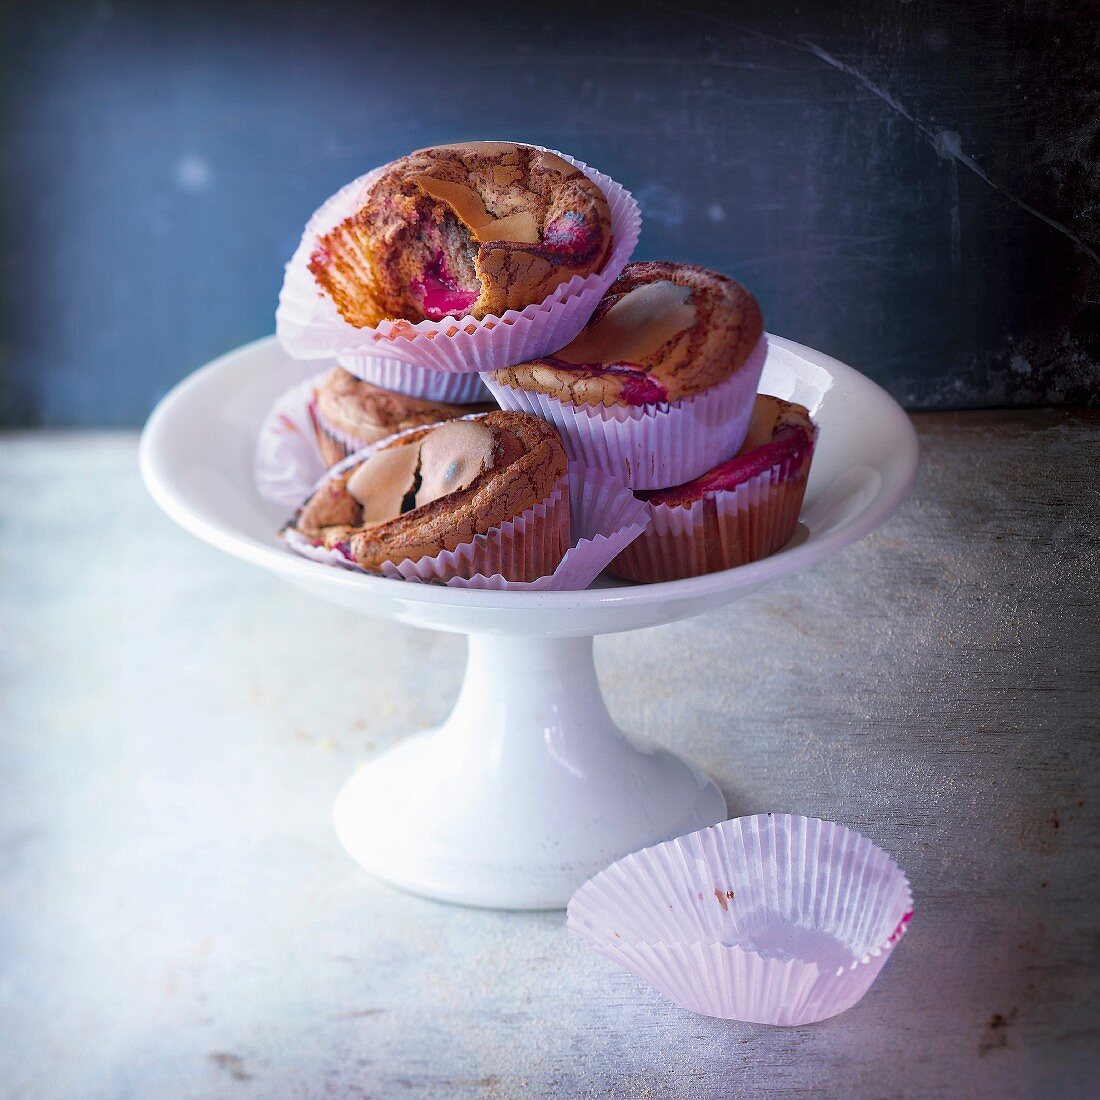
point(529, 786)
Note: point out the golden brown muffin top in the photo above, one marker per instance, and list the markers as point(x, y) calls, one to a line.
point(435, 488)
point(370, 413)
point(473, 228)
point(664, 331)
point(502, 193)
point(499, 190)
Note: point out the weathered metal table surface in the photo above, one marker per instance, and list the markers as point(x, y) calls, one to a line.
point(178, 920)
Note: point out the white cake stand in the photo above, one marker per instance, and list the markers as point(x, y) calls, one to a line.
point(528, 787)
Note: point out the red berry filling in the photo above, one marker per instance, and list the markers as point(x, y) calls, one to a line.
point(636, 386)
point(570, 232)
point(790, 443)
point(439, 292)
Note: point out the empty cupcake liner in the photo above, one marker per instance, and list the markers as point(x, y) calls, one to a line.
point(408, 378)
point(309, 326)
point(564, 542)
point(772, 919)
point(726, 529)
point(651, 446)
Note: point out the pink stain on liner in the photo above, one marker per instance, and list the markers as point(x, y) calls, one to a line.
point(901, 928)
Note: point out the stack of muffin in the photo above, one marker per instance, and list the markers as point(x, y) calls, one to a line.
point(656, 384)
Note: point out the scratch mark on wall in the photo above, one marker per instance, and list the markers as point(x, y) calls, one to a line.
point(956, 220)
point(868, 83)
point(947, 144)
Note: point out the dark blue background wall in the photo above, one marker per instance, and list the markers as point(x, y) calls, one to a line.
point(909, 186)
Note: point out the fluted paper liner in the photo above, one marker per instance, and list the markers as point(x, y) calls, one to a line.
point(408, 378)
point(519, 551)
point(720, 531)
point(651, 446)
point(309, 326)
point(335, 445)
point(772, 919)
point(564, 541)
point(289, 456)
point(288, 460)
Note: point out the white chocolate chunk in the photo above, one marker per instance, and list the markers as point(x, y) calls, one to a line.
point(451, 457)
point(636, 326)
point(382, 482)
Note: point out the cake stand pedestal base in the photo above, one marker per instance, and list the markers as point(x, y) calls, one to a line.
point(526, 790)
point(528, 787)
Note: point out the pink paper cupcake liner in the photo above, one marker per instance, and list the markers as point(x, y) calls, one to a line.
point(570, 537)
point(519, 551)
point(604, 520)
point(651, 446)
point(309, 326)
point(773, 919)
point(408, 378)
point(340, 443)
point(723, 530)
point(288, 459)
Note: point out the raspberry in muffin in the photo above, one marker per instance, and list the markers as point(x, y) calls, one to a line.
point(463, 230)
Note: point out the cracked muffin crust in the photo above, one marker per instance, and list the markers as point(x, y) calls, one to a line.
point(469, 229)
point(437, 488)
point(664, 331)
point(348, 414)
point(726, 532)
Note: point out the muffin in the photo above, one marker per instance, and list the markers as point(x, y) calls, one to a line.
point(483, 495)
point(659, 385)
point(463, 230)
point(348, 414)
point(740, 511)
